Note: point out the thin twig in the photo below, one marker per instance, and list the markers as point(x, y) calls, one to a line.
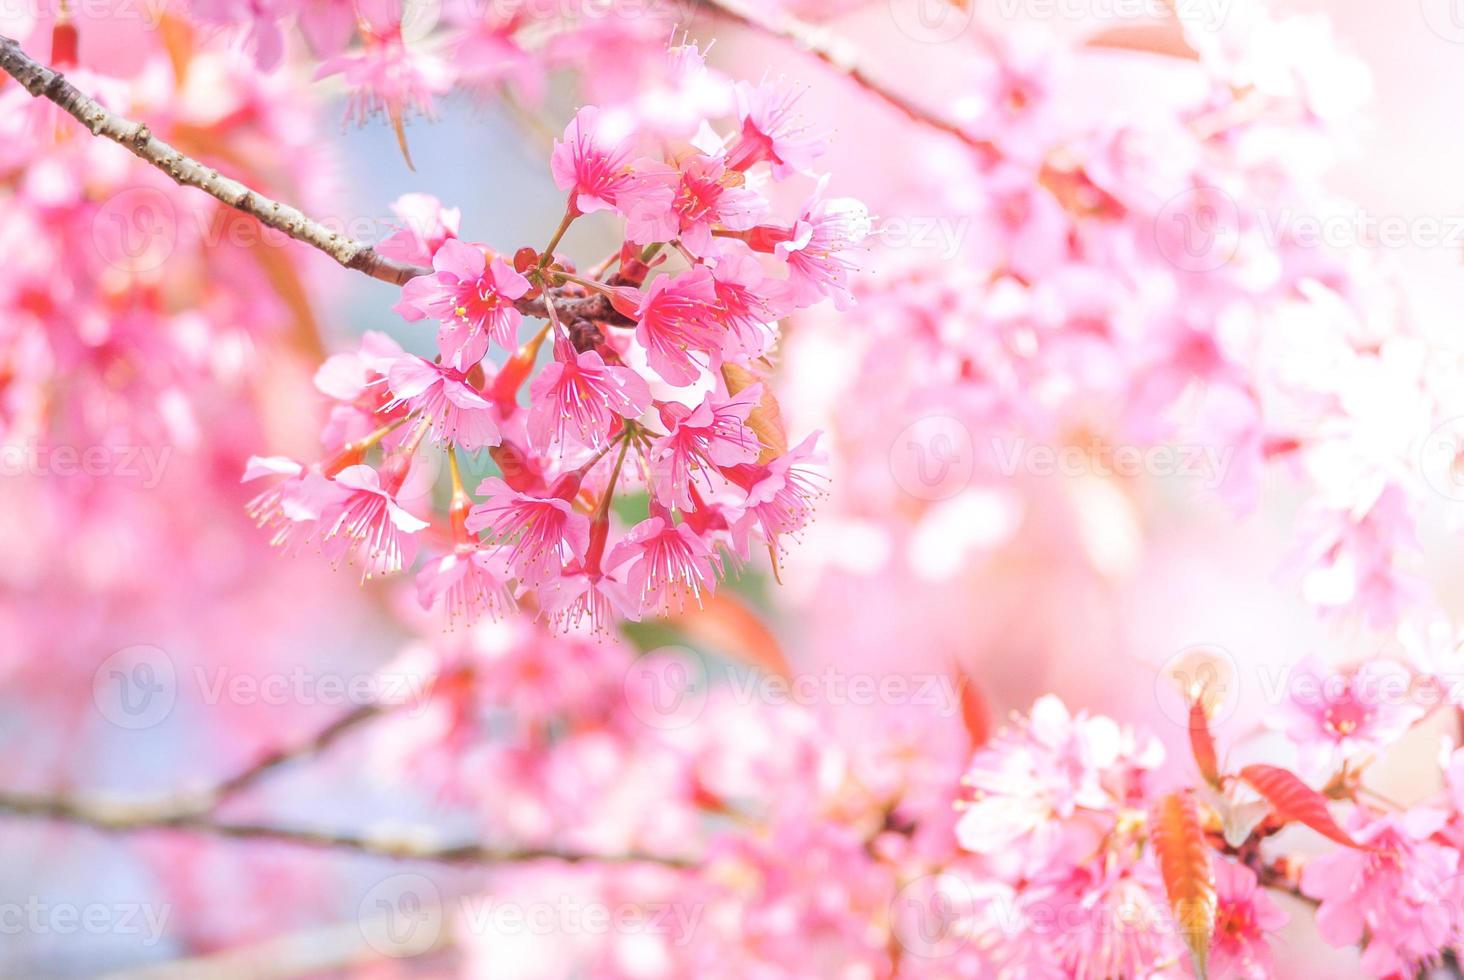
point(46, 83)
point(309, 748)
point(126, 818)
point(841, 55)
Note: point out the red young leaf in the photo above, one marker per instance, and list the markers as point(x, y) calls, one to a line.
point(1293, 800)
point(975, 714)
point(1202, 744)
point(1184, 863)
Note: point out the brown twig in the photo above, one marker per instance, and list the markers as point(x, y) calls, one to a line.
point(131, 818)
point(841, 55)
point(45, 83)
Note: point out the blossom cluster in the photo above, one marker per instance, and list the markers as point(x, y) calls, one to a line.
point(652, 381)
point(1125, 275)
point(1069, 812)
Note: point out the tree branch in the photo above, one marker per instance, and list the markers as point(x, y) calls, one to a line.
point(841, 55)
point(45, 83)
point(131, 818)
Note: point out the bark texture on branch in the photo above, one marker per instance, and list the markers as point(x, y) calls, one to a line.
point(44, 83)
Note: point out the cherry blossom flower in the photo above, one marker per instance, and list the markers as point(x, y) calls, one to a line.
point(469, 582)
point(772, 130)
point(1338, 717)
point(708, 195)
point(592, 165)
point(472, 297)
point(539, 535)
point(668, 563)
point(426, 224)
point(458, 412)
point(578, 392)
point(1387, 893)
point(821, 249)
point(367, 524)
point(780, 494)
point(701, 440)
point(388, 77)
point(1244, 915)
point(676, 318)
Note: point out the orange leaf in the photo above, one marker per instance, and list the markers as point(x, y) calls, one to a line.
point(1184, 863)
point(724, 621)
point(766, 417)
point(1293, 800)
point(1162, 39)
point(975, 714)
point(1202, 743)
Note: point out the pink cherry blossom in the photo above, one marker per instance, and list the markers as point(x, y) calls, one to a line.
point(1245, 914)
point(707, 194)
point(579, 393)
point(367, 524)
point(773, 131)
point(426, 224)
point(701, 440)
point(677, 318)
point(1335, 717)
point(538, 535)
point(592, 164)
point(458, 412)
point(780, 494)
point(472, 298)
point(668, 563)
point(1387, 893)
point(468, 582)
